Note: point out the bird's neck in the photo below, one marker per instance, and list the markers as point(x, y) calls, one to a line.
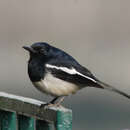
point(36, 69)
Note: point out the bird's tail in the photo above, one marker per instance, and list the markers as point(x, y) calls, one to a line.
point(111, 88)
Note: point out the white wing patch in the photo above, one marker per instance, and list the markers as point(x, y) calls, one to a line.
point(71, 71)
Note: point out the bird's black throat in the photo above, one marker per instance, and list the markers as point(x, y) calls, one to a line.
point(36, 69)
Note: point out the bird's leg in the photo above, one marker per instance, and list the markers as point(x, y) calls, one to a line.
point(60, 101)
point(53, 100)
point(51, 103)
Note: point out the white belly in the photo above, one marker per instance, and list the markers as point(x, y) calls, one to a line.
point(55, 87)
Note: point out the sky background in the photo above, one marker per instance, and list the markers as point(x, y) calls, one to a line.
point(95, 32)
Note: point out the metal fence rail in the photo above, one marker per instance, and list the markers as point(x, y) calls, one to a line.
point(20, 113)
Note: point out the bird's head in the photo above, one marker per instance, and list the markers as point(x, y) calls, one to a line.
point(38, 49)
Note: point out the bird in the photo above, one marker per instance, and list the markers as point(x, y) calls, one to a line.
point(55, 72)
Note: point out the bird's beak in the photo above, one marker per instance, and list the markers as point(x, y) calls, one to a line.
point(30, 49)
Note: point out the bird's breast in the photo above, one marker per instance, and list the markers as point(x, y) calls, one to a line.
point(55, 87)
point(36, 70)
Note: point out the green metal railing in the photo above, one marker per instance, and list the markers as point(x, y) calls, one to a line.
point(20, 113)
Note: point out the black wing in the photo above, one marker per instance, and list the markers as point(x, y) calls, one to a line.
point(83, 77)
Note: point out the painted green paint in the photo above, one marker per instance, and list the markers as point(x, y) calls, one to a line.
point(64, 120)
point(8, 121)
point(26, 123)
point(42, 125)
point(30, 116)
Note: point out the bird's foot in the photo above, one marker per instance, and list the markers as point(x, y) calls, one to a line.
point(47, 105)
point(52, 103)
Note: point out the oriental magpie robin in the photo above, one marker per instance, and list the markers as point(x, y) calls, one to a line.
point(54, 72)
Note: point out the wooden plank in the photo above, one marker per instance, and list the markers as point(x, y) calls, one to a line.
point(8, 120)
point(64, 120)
point(30, 107)
point(26, 106)
point(26, 123)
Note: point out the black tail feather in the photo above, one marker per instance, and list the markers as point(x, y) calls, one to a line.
point(111, 88)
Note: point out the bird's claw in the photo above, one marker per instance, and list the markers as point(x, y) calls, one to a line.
point(47, 105)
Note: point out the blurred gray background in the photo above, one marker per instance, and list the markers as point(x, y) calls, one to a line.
point(95, 32)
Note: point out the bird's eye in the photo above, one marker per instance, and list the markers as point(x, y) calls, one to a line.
point(41, 50)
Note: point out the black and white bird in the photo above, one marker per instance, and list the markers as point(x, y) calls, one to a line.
point(54, 72)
